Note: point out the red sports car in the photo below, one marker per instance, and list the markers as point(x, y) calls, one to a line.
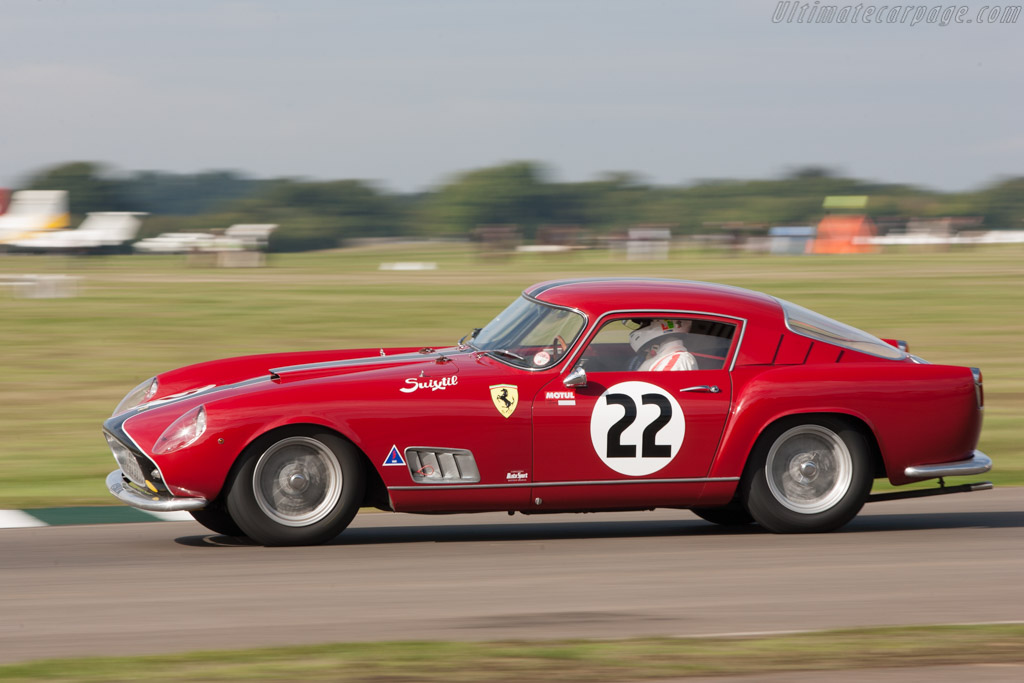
point(582, 395)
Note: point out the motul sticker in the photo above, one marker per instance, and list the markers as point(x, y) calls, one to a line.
point(564, 398)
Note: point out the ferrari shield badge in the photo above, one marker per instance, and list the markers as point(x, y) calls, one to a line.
point(506, 398)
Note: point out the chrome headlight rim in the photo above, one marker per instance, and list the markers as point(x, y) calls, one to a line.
point(183, 432)
point(141, 393)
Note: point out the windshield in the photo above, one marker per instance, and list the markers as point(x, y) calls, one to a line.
point(529, 334)
point(816, 326)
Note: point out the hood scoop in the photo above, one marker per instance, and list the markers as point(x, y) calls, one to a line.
point(429, 363)
point(310, 370)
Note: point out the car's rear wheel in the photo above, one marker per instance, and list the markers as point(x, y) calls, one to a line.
point(216, 518)
point(733, 514)
point(297, 489)
point(808, 475)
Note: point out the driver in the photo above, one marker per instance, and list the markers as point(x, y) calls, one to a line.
point(659, 345)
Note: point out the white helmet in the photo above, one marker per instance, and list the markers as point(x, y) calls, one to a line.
point(654, 329)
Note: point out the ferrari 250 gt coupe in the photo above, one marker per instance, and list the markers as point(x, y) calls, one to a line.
point(582, 395)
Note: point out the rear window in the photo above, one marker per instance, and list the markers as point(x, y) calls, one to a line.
point(807, 323)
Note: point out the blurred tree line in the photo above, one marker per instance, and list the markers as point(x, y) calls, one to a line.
point(322, 214)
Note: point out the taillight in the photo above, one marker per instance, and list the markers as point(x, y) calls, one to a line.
point(979, 391)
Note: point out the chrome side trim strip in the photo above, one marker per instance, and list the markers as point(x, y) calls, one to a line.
point(548, 484)
point(129, 496)
point(978, 463)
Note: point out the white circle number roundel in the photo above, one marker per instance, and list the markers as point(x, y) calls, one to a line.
point(637, 428)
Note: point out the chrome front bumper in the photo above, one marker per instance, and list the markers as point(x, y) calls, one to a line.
point(162, 502)
point(978, 463)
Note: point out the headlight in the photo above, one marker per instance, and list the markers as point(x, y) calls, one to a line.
point(137, 396)
point(183, 432)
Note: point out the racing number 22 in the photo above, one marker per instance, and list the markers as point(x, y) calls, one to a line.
point(648, 447)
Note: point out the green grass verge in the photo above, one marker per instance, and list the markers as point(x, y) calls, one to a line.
point(539, 661)
point(67, 362)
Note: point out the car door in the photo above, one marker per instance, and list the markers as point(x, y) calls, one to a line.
point(632, 438)
point(464, 439)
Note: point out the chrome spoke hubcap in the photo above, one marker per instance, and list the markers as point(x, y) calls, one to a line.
point(809, 469)
point(297, 481)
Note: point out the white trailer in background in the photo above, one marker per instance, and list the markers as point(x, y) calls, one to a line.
point(33, 211)
point(239, 237)
point(249, 236)
point(100, 232)
point(974, 237)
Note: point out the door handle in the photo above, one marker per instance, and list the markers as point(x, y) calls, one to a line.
point(711, 389)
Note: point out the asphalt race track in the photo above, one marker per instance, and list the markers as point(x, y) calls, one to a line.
point(166, 587)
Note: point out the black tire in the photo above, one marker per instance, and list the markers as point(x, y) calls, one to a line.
point(297, 488)
point(216, 518)
point(808, 475)
point(733, 514)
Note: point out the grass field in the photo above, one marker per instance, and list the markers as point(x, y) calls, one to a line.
point(67, 362)
point(589, 661)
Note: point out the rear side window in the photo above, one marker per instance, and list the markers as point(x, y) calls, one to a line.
point(807, 323)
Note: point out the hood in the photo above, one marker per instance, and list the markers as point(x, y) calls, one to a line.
point(433, 362)
point(228, 371)
point(230, 377)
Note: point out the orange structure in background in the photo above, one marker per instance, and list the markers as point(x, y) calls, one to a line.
point(838, 233)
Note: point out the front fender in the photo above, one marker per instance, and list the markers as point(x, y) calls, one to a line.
point(233, 423)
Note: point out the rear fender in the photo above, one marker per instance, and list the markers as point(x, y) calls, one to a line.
point(915, 414)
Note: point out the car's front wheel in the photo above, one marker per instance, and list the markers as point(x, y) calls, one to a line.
point(297, 489)
point(808, 475)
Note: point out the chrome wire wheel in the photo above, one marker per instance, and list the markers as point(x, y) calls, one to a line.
point(297, 481)
point(809, 469)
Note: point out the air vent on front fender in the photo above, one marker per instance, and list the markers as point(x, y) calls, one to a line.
point(442, 466)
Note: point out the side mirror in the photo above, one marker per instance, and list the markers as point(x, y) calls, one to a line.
point(576, 378)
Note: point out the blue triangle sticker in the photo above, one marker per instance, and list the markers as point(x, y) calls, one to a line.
point(394, 457)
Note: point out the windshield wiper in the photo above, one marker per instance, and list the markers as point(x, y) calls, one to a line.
point(471, 336)
point(506, 353)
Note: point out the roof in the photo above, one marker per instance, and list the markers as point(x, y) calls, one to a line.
point(597, 296)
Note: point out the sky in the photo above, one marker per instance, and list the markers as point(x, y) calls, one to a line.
point(408, 93)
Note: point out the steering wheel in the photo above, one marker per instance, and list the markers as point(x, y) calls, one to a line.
point(555, 343)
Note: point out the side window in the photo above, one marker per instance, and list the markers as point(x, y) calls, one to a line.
point(659, 344)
